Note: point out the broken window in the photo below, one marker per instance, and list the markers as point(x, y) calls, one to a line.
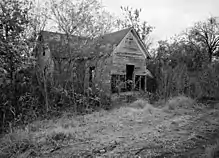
point(45, 49)
point(129, 76)
point(130, 43)
point(140, 82)
point(118, 83)
point(129, 40)
point(113, 83)
point(122, 83)
point(91, 74)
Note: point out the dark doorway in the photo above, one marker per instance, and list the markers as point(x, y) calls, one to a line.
point(143, 83)
point(114, 79)
point(129, 76)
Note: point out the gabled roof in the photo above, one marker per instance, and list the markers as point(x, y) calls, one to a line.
point(93, 47)
point(142, 44)
point(114, 37)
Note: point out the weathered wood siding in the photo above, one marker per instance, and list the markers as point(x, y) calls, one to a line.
point(128, 52)
point(102, 74)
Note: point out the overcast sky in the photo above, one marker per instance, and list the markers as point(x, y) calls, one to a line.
point(169, 17)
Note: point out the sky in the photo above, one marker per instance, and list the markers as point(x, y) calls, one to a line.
point(169, 17)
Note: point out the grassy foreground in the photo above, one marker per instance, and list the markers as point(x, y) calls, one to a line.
point(178, 128)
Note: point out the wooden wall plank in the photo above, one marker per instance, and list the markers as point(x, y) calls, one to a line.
point(128, 52)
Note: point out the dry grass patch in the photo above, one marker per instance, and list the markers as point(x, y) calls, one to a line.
point(139, 104)
point(212, 151)
point(60, 134)
point(16, 143)
point(120, 130)
point(180, 105)
point(180, 102)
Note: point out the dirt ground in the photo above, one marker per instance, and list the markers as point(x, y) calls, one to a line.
point(177, 129)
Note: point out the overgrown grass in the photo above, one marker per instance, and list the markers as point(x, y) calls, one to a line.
point(136, 124)
point(212, 151)
point(139, 104)
point(16, 143)
point(182, 105)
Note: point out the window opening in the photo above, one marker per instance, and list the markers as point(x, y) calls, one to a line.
point(129, 76)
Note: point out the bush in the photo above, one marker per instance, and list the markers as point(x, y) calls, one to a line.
point(180, 80)
point(66, 98)
point(209, 81)
point(19, 102)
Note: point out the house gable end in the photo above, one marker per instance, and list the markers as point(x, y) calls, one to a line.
point(141, 44)
point(130, 46)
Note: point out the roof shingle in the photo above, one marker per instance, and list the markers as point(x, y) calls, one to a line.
point(92, 48)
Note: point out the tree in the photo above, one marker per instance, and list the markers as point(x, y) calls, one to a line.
point(83, 18)
point(39, 18)
point(132, 19)
point(180, 51)
point(14, 19)
point(206, 36)
point(13, 22)
point(38, 21)
point(79, 22)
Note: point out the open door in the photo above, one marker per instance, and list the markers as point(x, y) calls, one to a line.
point(129, 76)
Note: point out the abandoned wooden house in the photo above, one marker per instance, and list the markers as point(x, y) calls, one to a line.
point(112, 63)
